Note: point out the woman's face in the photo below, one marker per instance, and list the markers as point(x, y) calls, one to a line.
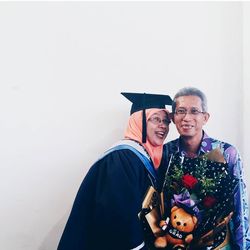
point(157, 127)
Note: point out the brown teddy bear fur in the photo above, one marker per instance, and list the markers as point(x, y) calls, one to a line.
point(183, 222)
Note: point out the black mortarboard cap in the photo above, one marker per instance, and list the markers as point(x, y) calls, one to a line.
point(143, 101)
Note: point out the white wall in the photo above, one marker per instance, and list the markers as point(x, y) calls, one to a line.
point(246, 91)
point(63, 66)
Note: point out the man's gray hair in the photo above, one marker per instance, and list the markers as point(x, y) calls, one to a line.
point(187, 91)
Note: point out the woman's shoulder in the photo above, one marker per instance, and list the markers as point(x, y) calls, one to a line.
point(122, 155)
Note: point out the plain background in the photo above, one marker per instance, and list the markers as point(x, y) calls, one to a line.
point(62, 68)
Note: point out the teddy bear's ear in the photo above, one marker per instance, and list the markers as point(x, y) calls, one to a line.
point(195, 220)
point(174, 208)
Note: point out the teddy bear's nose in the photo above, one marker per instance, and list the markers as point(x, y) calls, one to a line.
point(178, 223)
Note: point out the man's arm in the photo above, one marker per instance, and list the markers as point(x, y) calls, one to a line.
point(240, 221)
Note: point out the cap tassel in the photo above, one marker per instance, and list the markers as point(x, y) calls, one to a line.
point(144, 123)
point(144, 126)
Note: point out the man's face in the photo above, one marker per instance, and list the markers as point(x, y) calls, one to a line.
point(189, 117)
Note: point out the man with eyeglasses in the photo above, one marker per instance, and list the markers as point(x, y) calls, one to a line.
point(190, 115)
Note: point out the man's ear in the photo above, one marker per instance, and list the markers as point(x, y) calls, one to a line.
point(206, 117)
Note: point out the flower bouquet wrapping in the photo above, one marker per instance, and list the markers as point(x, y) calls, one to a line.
point(150, 216)
point(204, 188)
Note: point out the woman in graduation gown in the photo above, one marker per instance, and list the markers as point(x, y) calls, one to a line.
point(105, 210)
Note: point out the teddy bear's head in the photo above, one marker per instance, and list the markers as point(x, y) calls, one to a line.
point(182, 220)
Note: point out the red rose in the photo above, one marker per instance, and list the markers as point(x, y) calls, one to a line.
point(209, 201)
point(189, 181)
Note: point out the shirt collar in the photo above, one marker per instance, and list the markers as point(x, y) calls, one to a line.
point(202, 150)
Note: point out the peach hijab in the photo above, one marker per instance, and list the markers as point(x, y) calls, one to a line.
point(134, 132)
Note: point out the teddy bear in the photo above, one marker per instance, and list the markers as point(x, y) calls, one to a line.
point(178, 229)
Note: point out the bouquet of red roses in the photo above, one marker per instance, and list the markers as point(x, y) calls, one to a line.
point(201, 182)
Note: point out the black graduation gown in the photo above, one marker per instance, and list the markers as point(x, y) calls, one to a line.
point(105, 210)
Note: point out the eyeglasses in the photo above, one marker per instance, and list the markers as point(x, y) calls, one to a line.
point(157, 120)
point(193, 112)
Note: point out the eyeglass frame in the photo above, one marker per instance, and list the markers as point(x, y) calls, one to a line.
point(157, 120)
point(193, 112)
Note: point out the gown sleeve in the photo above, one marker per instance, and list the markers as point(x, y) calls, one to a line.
point(105, 210)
